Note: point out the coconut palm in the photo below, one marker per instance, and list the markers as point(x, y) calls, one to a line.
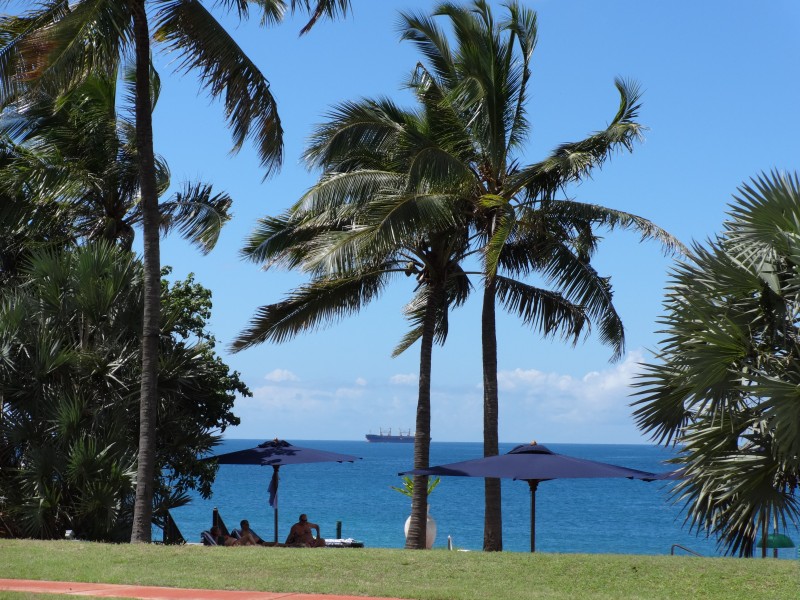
point(368, 220)
point(723, 386)
point(479, 84)
point(56, 45)
point(372, 152)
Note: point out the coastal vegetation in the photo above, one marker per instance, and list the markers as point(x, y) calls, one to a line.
point(440, 192)
point(434, 575)
point(69, 334)
point(57, 45)
point(70, 322)
point(723, 387)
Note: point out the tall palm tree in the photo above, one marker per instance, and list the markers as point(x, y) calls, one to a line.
point(57, 45)
point(480, 87)
point(369, 219)
point(724, 385)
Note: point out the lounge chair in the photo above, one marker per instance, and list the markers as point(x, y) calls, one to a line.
point(172, 535)
point(216, 521)
point(207, 539)
point(343, 543)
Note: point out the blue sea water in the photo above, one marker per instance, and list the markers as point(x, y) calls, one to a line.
point(576, 515)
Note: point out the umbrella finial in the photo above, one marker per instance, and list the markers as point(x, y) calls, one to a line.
point(533, 442)
point(276, 443)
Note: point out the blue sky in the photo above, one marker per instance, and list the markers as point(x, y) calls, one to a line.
point(720, 102)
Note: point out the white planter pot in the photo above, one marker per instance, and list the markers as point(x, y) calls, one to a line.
point(430, 529)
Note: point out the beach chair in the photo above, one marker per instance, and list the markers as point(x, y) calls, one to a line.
point(216, 521)
point(237, 533)
point(207, 539)
point(172, 535)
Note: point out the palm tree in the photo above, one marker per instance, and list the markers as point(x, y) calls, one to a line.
point(372, 153)
point(56, 46)
point(479, 86)
point(367, 220)
point(723, 386)
point(78, 151)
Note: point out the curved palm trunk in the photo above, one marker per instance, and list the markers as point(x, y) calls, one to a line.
point(417, 530)
point(493, 518)
point(145, 474)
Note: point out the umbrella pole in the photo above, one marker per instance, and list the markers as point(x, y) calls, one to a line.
point(275, 510)
point(533, 484)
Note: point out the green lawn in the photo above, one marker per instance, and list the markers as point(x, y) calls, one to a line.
point(426, 575)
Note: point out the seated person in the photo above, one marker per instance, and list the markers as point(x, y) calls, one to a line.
point(300, 535)
point(248, 537)
point(221, 538)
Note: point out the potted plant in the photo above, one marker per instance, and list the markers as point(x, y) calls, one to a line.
point(407, 489)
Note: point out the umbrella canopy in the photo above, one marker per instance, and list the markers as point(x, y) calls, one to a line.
point(276, 453)
point(533, 463)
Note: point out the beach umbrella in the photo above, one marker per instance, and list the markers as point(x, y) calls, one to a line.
point(275, 454)
point(774, 540)
point(533, 463)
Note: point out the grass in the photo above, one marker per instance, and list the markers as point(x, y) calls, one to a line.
point(423, 575)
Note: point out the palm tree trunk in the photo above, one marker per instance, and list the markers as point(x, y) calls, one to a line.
point(145, 474)
point(493, 518)
point(417, 530)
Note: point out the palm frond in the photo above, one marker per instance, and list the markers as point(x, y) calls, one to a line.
point(547, 312)
point(431, 41)
point(60, 47)
point(225, 71)
point(314, 305)
point(574, 161)
point(616, 219)
point(331, 9)
point(197, 213)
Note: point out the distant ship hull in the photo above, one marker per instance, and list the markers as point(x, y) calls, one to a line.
point(403, 439)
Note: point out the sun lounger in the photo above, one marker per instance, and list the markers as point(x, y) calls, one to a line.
point(172, 535)
point(207, 539)
point(216, 521)
point(237, 533)
point(343, 543)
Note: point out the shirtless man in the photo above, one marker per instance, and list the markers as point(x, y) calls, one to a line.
point(247, 537)
point(300, 535)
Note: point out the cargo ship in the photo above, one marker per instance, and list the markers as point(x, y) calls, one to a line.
point(386, 436)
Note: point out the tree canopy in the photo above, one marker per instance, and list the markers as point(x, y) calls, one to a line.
point(69, 371)
point(723, 387)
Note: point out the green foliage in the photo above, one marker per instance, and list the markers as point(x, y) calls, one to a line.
point(408, 486)
point(69, 378)
point(428, 190)
point(76, 153)
point(724, 385)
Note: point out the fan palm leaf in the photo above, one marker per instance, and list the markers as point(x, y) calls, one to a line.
point(724, 386)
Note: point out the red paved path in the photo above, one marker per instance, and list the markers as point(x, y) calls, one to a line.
point(110, 590)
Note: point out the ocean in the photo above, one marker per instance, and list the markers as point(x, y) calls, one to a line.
point(617, 516)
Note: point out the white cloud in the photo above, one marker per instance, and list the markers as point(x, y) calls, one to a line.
point(593, 407)
point(598, 397)
point(279, 375)
point(403, 379)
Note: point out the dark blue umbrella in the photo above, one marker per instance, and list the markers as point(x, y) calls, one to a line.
point(276, 453)
point(533, 463)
